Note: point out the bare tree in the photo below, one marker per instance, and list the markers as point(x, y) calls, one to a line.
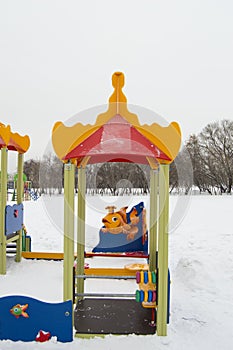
point(200, 178)
point(31, 170)
point(51, 174)
point(216, 144)
point(126, 176)
point(211, 153)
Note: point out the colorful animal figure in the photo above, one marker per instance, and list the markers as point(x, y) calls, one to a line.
point(116, 222)
point(112, 219)
point(19, 310)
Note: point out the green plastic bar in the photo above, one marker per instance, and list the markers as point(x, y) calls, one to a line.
point(81, 227)
point(163, 250)
point(3, 200)
point(27, 244)
point(153, 218)
point(68, 262)
point(19, 201)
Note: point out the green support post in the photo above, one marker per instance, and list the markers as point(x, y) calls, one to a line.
point(68, 231)
point(19, 201)
point(153, 218)
point(3, 201)
point(81, 227)
point(163, 250)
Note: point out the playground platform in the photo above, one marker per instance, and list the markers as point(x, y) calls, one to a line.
point(111, 316)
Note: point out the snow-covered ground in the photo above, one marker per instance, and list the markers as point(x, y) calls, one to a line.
point(201, 265)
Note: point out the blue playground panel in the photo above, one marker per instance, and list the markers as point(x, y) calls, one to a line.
point(13, 218)
point(55, 318)
point(168, 296)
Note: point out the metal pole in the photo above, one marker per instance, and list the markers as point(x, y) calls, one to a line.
point(107, 277)
point(68, 231)
point(163, 250)
point(3, 193)
point(20, 190)
point(105, 295)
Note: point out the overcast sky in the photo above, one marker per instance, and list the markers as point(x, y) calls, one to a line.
point(57, 58)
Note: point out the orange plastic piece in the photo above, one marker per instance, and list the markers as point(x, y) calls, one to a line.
point(13, 141)
point(137, 267)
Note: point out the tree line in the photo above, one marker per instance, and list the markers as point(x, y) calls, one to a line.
point(47, 177)
point(205, 163)
point(210, 154)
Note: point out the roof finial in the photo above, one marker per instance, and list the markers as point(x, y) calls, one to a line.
point(110, 209)
point(118, 81)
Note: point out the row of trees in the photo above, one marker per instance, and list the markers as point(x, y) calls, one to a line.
point(205, 161)
point(211, 155)
point(46, 176)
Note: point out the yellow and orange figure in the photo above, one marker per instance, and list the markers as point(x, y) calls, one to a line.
point(116, 222)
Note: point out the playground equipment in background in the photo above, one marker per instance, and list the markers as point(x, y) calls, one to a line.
point(11, 142)
point(117, 136)
point(28, 192)
point(26, 243)
point(13, 323)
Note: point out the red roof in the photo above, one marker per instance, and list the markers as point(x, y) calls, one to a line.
point(116, 141)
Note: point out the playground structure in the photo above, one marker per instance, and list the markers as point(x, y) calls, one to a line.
point(22, 318)
point(117, 136)
point(26, 188)
point(28, 192)
point(11, 218)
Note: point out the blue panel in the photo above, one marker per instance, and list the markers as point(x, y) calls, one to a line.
point(13, 218)
point(168, 296)
point(119, 244)
point(55, 318)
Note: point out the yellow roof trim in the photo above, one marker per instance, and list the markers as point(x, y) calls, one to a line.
point(118, 81)
point(13, 140)
point(5, 133)
point(21, 143)
point(167, 139)
point(66, 138)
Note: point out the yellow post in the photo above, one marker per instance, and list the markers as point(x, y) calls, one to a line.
point(3, 201)
point(19, 201)
point(163, 250)
point(153, 218)
point(68, 231)
point(81, 227)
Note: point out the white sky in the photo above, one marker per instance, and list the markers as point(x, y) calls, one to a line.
point(57, 58)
